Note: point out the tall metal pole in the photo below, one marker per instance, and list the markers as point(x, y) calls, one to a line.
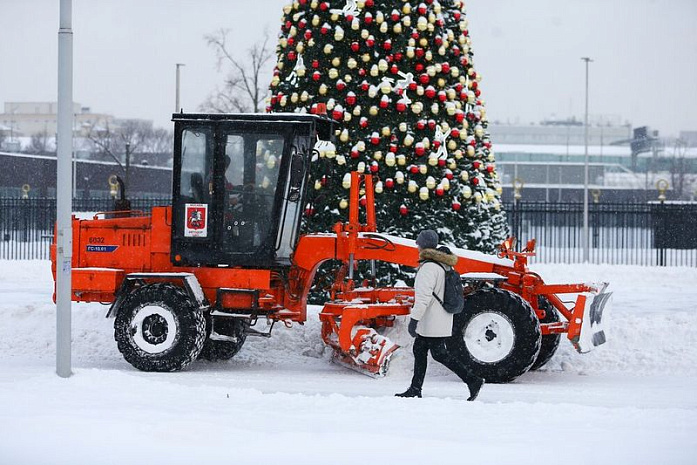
point(586, 252)
point(64, 238)
point(176, 106)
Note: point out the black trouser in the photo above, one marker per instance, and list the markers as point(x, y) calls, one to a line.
point(441, 354)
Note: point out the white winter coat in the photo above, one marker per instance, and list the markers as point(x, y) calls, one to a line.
point(433, 320)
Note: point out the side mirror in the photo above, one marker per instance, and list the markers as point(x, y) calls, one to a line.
point(297, 175)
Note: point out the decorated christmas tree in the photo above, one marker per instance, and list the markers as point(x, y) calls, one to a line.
point(400, 78)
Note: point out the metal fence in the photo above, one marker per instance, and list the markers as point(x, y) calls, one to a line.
point(26, 225)
point(632, 234)
point(663, 234)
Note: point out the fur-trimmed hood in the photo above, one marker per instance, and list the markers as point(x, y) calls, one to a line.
point(437, 256)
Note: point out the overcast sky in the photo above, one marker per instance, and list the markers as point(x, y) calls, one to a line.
point(645, 52)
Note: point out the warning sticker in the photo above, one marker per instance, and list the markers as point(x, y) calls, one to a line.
point(196, 220)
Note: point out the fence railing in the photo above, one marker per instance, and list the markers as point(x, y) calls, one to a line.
point(632, 234)
point(26, 225)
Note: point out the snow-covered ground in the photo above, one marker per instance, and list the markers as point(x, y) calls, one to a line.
point(632, 401)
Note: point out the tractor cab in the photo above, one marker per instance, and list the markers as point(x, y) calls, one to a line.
point(239, 183)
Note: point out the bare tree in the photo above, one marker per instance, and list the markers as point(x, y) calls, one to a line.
point(245, 87)
point(40, 144)
point(111, 140)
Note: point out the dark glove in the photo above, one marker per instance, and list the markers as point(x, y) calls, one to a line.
point(412, 327)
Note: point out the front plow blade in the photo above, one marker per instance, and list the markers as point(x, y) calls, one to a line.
point(370, 353)
point(590, 328)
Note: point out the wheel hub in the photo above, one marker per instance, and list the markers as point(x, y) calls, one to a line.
point(489, 337)
point(154, 329)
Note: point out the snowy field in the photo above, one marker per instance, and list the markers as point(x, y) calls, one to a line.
point(632, 401)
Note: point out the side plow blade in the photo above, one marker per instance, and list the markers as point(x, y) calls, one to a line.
point(587, 327)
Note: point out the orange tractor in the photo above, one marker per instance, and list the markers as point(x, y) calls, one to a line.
point(193, 279)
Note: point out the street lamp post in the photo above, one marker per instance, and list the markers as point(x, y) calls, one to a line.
point(176, 101)
point(586, 253)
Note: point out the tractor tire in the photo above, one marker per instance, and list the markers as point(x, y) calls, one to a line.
point(159, 328)
point(214, 351)
point(497, 335)
point(550, 342)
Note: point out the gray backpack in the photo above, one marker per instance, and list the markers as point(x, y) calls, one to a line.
point(454, 295)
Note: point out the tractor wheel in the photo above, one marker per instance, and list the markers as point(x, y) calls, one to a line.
point(159, 328)
point(550, 342)
point(497, 335)
point(225, 350)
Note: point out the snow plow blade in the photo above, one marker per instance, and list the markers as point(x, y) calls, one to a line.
point(370, 354)
point(586, 328)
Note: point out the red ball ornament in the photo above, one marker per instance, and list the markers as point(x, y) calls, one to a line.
point(432, 124)
point(354, 153)
point(430, 92)
point(475, 181)
point(413, 169)
point(349, 18)
point(401, 106)
point(422, 9)
point(445, 67)
point(384, 102)
point(477, 164)
point(323, 180)
point(442, 96)
point(414, 34)
point(324, 6)
point(441, 162)
point(394, 69)
point(420, 52)
point(464, 61)
point(419, 67)
point(370, 42)
point(459, 116)
point(365, 86)
point(454, 133)
point(449, 174)
point(395, 15)
point(457, 15)
point(351, 98)
point(363, 123)
point(362, 201)
point(439, 191)
point(389, 183)
point(291, 41)
point(490, 168)
point(368, 18)
point(419, 150)
point(424, 78)
point(421, 124)
point(393, 148)
point(438, 40)
point(316, 76)
point(369, 3)
point(324, 30)
point(309, 210)
point(436, 144)
point(355, 46)
point(302, 2)
point(456, 206)
point(398, 56)
point(403, 210)
point(374, 167)
point(413, 86)
point(375, 138)
point(291, 55)
point(315, 64)
point(340, 85)
point(456, 50)
point(387, 45)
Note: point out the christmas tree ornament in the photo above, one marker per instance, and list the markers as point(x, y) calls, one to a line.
point(423, 193)
point(430, 182)
point(343, 204)
point(378, 187)
point(399, 177)
point(412, 186)
point(361, 167)
point(401, 160)
point(403, 210)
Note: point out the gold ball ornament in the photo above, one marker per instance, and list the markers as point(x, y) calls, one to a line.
point(341, 160)
point(365, 57)
point(422, 23)
point(378, 187)
point(361, 167)
point(408, 140)
point(377, 155)
point(373, 111)
point(466, 192)
point(464, 175)
point(435, 108)
point(423, 193)
point(412, 186)
point(406, 8)
point(386, 131)
point(360, 146)
point(390, 159)
point(336, 61)
point(417, 107)
point(374, 71)
point(357, 110)
point(399, 177)
point(397, 28)
point(470, 151)
point(329, 48)
point(403, 126)
point(407, 21)
point(410, 52)
point(343, 204)
point(401, 160)
point(344, 137)
point(322, 89)
point(430, 183)
point(452, 145)
point(432, 159)
point(351, 63)
point(423, 169)
point(382, 65)
point(294, 97)
point(318, 185)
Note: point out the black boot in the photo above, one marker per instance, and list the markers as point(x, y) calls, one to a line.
point(474, 387)
point(411, 392)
